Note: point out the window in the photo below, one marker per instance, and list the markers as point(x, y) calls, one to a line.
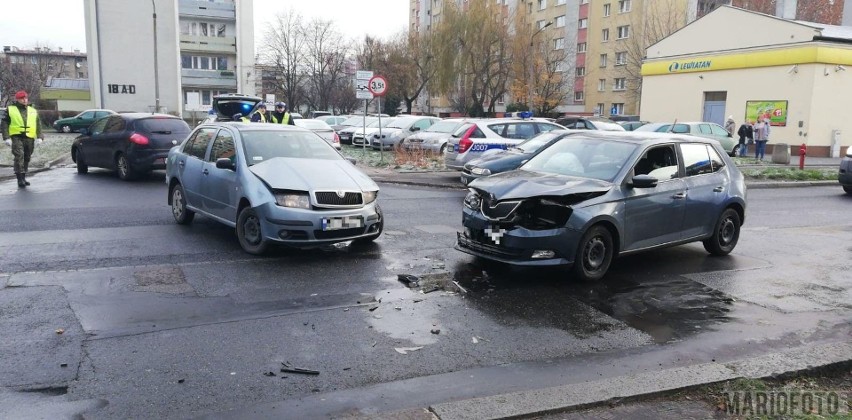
point(560, 21)
point(605, 35)
point(601, 85)
point(197, 146)
point(607, 9)
point(696, 159)
point(718, 131)
point(623, 6)
point(98, 126)
point(560, 2)
point(541, 24)
point(623, 31)
point(715, 159)
point(561, 66)
point(558, 43)
point(186, 62)
point(621, 58)
point(578, 96)
point(542, 4)
point(223, 147)
point(599, 108)
point(619, 84)
point(603, 60)
point(616, 109)
point(659, 162)
point(581, 71)
point(584, 23)
point(114, 125)
point(581, 47)
point(205, 97)
point(204, 63)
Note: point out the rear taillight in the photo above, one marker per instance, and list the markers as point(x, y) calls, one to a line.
point(465, 141)
point(336, 138)
point(139, 139)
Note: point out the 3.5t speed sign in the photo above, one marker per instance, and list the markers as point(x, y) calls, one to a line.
point(378, 85)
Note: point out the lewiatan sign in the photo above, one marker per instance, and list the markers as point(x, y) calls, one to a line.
point(689, 65)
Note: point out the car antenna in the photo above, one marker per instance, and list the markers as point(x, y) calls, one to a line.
point(671, 129)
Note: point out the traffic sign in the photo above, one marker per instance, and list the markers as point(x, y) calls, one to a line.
point(363, 74)
point(363, 94)
point(378, 85)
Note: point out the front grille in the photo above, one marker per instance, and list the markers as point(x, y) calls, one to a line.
point(330, 198)
point(499, 211)
point(488, 249)
point(337, 234)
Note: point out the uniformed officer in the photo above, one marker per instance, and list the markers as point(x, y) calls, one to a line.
point(281, 115)
point(21, 128)
point(260, 115)
point(238, 117)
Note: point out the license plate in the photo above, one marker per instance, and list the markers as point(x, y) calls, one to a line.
point(334, 223)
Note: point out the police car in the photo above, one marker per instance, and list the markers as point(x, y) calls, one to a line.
point(474, 138)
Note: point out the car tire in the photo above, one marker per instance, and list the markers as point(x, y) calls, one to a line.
point(82, 168)
point(182, 215)
point(848, 189)
point(249, 232)
point(65, 129)
point(726, 233)
point(594, 254)
point(122, 167)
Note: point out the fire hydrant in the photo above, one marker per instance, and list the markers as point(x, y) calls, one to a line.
point(803, 150)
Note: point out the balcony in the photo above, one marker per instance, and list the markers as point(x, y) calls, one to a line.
point(208, 78)
point(193, 43)
point(206, 9)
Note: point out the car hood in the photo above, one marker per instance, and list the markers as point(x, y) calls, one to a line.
point(430, 135)
point(499, 155)
point(312, 174)
point(525, 184)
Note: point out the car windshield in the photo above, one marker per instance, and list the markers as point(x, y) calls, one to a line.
point(401, 123)
point(535, 143)
point(359, 120)
point(163, 126)
point(263, 145)
point(444, 127)
point(583, 157)
point(385, 122)
point(312, 124)
point(608, 126)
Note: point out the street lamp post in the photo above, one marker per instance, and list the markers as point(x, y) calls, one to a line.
point(156, 66)
point(532, 64)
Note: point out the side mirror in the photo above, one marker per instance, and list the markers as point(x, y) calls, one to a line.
point(225, 163)
point(352, 160)
point(643, 181)
point(79, 117)
point(415, 128)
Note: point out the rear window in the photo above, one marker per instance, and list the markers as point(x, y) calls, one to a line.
point(162, 126)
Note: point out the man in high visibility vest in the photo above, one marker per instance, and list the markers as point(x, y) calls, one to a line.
point(238, 117)
point(21, 128)
point(260, 115)
point(280, 115)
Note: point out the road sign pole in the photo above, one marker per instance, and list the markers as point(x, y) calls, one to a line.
point(381, 143)
point(363, 120)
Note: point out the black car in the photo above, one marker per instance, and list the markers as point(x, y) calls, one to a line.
point(512, 158)
point(131, 144)
point(580, 122)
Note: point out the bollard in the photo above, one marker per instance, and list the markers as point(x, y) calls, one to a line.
point(803, 150)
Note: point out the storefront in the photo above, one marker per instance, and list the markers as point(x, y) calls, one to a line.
point(733, 62)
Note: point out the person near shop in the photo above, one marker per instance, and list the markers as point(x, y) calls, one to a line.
point(761, 137)
point(22, 131)
point(730, 125)
point(746, 133)
point(260, 116)
point(281, 115)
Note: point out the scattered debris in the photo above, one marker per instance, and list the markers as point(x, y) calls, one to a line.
point(475, 340)
point(463, 290)
point(377, 316)
point(345, 309)
point(60, 331)
point(180, 381)
point(269, 373)
point(314, 294)
point(233, 373)
point(373, 308)
point(409, 280)
point(438, 266)
point(292, 369)
point(431, 289)
point(347, 368)
point(405, 350)
point(398, 308)
point(435, 331)
point(306, 324)
point(418, 300)
point(63, 365)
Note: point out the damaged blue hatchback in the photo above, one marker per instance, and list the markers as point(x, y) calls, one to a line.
point(590, 198)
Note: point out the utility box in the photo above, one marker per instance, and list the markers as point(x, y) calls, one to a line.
point(835, 143)
point(781, 153)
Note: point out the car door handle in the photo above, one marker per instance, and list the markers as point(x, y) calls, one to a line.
point(205, 171)
point(679, 196)
point(718, 189)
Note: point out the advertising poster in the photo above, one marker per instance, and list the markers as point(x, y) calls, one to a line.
point(776, 111)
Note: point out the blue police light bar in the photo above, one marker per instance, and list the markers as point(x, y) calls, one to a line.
point(525, 114)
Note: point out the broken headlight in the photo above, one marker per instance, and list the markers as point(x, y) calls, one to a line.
point(369, 196)
point(473, 200)
point(543, 213)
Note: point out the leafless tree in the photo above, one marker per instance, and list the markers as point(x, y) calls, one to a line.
point(15, 77)
point(285, 46)
point(325, 62)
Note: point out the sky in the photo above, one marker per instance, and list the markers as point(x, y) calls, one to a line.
point(60, 23)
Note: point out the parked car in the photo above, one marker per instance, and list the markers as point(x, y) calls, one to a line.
point(132, 144)
point(474, 137)
point(578, 122)
point(333, 120)
point(584, 201)
point(702, 129)
point(845, 176)
point(225, 106)
point(360, 134)
point(81, 120)
point(347, 129)
point(315, 114)
point(400, 129)
point(276, 184)
point(320, 128)
point(433, 139)
point(497, 161)
point(632, 125)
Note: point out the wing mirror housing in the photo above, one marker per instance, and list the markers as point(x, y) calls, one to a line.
point(643, 181)
point(225, 163)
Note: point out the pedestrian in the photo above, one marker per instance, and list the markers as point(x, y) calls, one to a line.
point(21, 128)
point(260, 115)
point(730, 126)
point(746, 133)
point(281, 115)
point(761, 137)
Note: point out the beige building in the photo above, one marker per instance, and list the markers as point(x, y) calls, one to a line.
point(798, 74)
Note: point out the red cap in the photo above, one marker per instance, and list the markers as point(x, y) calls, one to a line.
point(21, 94)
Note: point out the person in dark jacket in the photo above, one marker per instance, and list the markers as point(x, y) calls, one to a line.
point(281, 115)
point(746, 132)
point(260, 115)
point(21, 128)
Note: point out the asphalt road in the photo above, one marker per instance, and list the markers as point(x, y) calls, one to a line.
point(167, 321)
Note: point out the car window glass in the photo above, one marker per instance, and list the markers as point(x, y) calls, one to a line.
point(98, 126)
point(260, 146)
point(588, 158)
point(546, 127)
point(680, 129)
point(159, 125)
point(443, 127)
point(461, 130)
point(536, 142)
point(223, 146)
point(718, 130)
point(704, 129)
point(114, 125)
point(580, 125)
point(659, 162)
point(100, 114)
point(500, 129)
point(199, 144)
point(696, 160)
point(423, 124)
point(477, 134)
point(88, 115)
point(715, 159)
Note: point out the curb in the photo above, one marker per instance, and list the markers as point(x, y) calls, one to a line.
point(647, 384)
point(47, 166)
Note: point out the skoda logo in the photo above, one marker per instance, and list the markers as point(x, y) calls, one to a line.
point(674, 67)
point(341, 194)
